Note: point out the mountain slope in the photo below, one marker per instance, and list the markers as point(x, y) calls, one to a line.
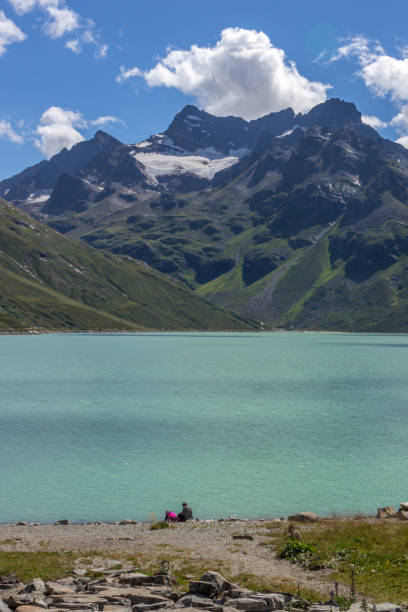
point(48, 281)
point(296, 220)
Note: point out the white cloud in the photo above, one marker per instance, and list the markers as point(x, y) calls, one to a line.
point(373, 121)
point(7, 132)
point(124, 74)
point(61, 20)
point(74, 45)
point(101, 51)
point(242, 75)
point(56, 130)
point(9, 32)
point(383, 74)
point(102, 121)
point(403, 141)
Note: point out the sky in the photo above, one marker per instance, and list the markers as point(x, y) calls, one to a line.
point(71, 67)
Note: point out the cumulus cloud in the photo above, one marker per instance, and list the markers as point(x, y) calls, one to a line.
point(244, 74)
point(56, 130)
point(102, 121)
point(60, 20)
point(383, 74)
point(373, 121)
point(9, 33)
point(124, 74)
point(7, 132)
point(59, 128)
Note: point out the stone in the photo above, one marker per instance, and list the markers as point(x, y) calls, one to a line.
point(386, 512)
point(403, 514)
point(111, 608)
point(36, 585)
point(274, 601)
point(142, 607)
point(56, 588)
point(135, 595)
point(28, 608)
point(62, 522)
point(134, 578)
point(22, 523)
point(239, 592)
point(198, 601)
point(304, 517)
point(358, 607)
point(4, 607)
point(218, 580)
point(404, 505)
point(249, 604)
point(242, 537)
point(201, 587)
point(388, 607)
point(26, 599)
point(128, 522)
point(322, 608)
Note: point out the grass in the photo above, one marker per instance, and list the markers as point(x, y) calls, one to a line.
point(375, 552)
point(28, 565)
point(161, 525)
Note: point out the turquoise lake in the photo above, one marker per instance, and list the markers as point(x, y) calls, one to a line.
point(106, 427)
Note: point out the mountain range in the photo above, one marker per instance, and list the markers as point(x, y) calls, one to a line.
point(295, 220)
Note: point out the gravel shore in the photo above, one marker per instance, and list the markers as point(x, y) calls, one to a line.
point(236, 547)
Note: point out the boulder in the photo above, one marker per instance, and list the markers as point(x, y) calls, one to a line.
point(22, 523)
point(26, 599)
point(112, 608)
point(249, 604)
point(404, 505)
point(199, 601)
point(56, 588)
point(218, 580)
point(386, 512)
point(403, 514)
point(4, 607)
point(201, 587)
point(35, 586)
point(388, 607)
point(304, 517)
point(28, 608)
point(274, 601)
point(134, 578)
point(62, 522)
point(128, 522)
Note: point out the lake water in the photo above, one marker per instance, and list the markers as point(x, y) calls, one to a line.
point(105, 427)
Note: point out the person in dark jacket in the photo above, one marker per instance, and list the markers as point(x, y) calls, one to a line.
point(186, 513)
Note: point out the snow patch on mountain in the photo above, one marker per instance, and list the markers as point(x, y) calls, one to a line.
point(158, 164)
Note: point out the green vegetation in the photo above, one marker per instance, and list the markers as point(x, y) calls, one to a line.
point(160, 525)
point(28, 565)
point(369, 556)
point(53, 283)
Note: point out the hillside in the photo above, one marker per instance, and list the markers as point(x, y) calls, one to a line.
point(300, 221)
point(51, 282)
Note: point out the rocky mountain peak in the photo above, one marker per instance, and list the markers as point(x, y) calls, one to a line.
point(332, 113)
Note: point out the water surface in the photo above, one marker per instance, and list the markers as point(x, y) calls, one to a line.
point(116, 426)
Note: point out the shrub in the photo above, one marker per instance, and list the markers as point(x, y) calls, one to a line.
point(159, 525)
point(295, 550)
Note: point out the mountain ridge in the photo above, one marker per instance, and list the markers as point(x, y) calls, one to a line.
point(298, 228)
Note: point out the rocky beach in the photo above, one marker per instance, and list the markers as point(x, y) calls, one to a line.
point(219, 565)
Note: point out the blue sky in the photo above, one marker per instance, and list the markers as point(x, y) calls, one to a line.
point(70, 67)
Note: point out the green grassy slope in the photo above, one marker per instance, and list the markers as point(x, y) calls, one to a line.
point(51, 282)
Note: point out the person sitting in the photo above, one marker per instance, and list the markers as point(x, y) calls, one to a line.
point(186, 513)
point(171, 517)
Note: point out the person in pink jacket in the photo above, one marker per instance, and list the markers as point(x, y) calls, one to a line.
point(171, 517)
